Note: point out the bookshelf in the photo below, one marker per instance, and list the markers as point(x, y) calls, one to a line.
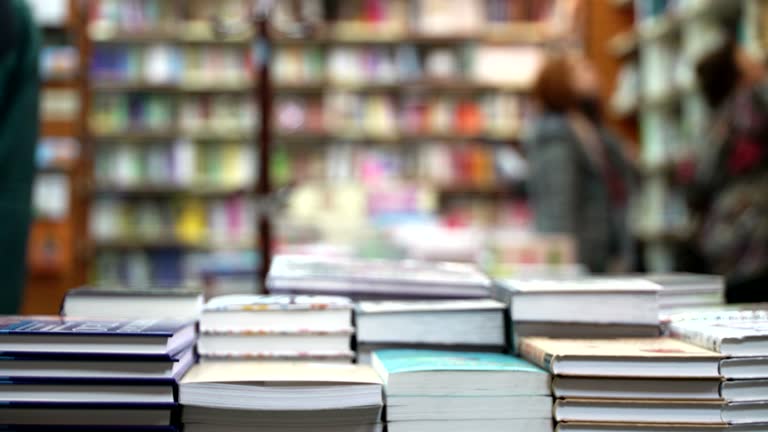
point(52, 252)
point(656, 89)
point(427, 94)
point(172, 132)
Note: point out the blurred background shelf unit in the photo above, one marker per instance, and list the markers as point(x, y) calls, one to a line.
point(409, 98)
point(52, 248)
point(172, 129)
point(657, 89)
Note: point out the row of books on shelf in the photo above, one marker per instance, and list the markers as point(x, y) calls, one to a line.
point(218, 272)
point(587, 351)
point(188, 220)
point(407, 63)
point(110, 17)
point(385, 116)
point(215, 114)
point(423, 17)
point(438, 164)
point(166, 64)
point(181, 164)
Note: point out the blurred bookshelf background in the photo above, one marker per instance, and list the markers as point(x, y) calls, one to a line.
point(394, 130)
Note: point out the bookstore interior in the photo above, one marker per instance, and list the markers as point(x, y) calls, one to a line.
point(384, 215)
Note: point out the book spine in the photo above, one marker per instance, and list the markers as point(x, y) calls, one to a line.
point(536, 355)
point(694, 337)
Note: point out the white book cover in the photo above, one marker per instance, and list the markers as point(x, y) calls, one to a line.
point(732, 338)
point(256, 303)
point(373, 307)
point(585, 285)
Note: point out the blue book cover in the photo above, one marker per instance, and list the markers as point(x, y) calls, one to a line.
point(403, 361)
point(54, 325)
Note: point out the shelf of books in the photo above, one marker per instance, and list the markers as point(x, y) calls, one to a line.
point(412, 109)
point(172, 130)
point(667, 41)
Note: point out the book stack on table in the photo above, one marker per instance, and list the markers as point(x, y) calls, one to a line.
point(644, 384)
point(581, 308)
point(277, 327)
point(443, 391)
point(281, 396)
point(92, 375)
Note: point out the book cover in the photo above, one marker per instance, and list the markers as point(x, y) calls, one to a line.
point(287, 267)
point(373, 307)
point(585, 285)
point(402, 361)
point(54, 325)
point(257, 303)
point(88, 291)
point(544, 351)
point(715, 335)
point(286, 373)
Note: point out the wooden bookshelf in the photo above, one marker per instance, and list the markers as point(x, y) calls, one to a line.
point(53, 257)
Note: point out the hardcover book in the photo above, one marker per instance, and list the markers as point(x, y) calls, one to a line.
point(44, 334)
point(732, 338)
point(425, 372)
point(631, 357)
point(587, 300)
point(276, 313)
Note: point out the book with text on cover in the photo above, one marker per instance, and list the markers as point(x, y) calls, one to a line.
point(376, 278)
point(52, 334)
point(732, 338)
point(631, 357)
point(276, 312)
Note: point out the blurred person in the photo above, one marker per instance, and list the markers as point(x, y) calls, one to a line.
point(19, 87)
point(580, 180)
point(729, 185)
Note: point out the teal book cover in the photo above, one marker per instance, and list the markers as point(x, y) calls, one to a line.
point(409, 360)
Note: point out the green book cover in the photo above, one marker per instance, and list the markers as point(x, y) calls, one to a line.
point(408, 360)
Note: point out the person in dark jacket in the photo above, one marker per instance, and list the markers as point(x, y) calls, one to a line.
point(579, 179)
point(729, 189)
point(19, 87)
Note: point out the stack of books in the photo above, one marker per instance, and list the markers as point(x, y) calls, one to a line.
point(458, 325)
point(644, 383)
point(361, 278)
point(60, 372)
point(438, 391)
point(237, 327)
point(239, 396)
point(686, 290)
point(741, 337)
point(581, 308)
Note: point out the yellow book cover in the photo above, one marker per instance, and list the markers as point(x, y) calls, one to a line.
point(191, 223)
